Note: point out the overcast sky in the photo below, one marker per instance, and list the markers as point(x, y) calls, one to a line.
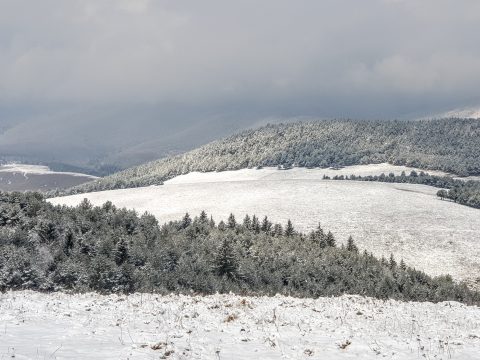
point(248, 59)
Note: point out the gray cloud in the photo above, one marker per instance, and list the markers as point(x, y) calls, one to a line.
point(245, 59)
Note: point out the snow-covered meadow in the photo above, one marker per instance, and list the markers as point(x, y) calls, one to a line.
point(407, 220)
point(148, 326)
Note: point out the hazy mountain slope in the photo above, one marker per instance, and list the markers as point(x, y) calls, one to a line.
point(99, 139)
point(451, 145)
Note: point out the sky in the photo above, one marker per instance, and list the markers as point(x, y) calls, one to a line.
point(142, 70)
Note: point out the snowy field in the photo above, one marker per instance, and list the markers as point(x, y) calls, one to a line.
point(272, 173)
point(408, 220)
point(23, 177)
point(60, 326)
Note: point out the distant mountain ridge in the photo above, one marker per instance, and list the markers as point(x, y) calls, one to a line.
point(451, 145)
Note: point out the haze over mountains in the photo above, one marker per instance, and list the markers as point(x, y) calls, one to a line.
point(101, 139)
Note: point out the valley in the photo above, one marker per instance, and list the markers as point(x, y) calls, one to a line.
point(22, 177)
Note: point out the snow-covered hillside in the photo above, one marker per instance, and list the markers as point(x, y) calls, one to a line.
point(464, 113)
point(407, 220)
point(146, 326)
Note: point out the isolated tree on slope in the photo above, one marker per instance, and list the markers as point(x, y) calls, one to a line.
point(442, 194)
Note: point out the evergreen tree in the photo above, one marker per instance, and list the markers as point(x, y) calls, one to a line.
point(442, 194)
point(330, 240)
point(351, 245)
point(392, 263)
point(266, 225)
point(222, 226)
point(255, 224)
point(231, 223)
point(186, 221)
point(289, 230)
point(203, 219)
point(69, 243)
point(225, 263)
point(211, 222)
point(121, 252)
point(247, 222)
point(277, 230)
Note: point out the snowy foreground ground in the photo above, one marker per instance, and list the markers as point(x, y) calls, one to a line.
point(407, 220)
point(60, 326)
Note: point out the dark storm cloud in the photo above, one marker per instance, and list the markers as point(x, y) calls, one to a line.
point(247, 59)
point(200, 52)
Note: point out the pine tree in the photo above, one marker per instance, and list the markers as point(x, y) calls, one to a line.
point(392, 263)
point(203, 217)
point(231, 223)
point(211, 222)
point(266, 225)
point(121, 252)
point(247, 222)
point(255, 224)
point(222, 226)
point(225, 263)
point(351, 245)
point(289, 230)
point(47, 231)
point(402, 265)
point(277, 230)
point(186, 221)
point(383, 261)
point(69, 243)
point(319, 231)
point(330, 240)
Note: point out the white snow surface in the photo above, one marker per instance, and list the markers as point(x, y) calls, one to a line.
point(439, 237)
point(147, 326)
point(37, 170)
point(297, 173)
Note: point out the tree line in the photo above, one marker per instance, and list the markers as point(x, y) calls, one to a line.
point(451, 145)
point(465, 192)
point(107, 249)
